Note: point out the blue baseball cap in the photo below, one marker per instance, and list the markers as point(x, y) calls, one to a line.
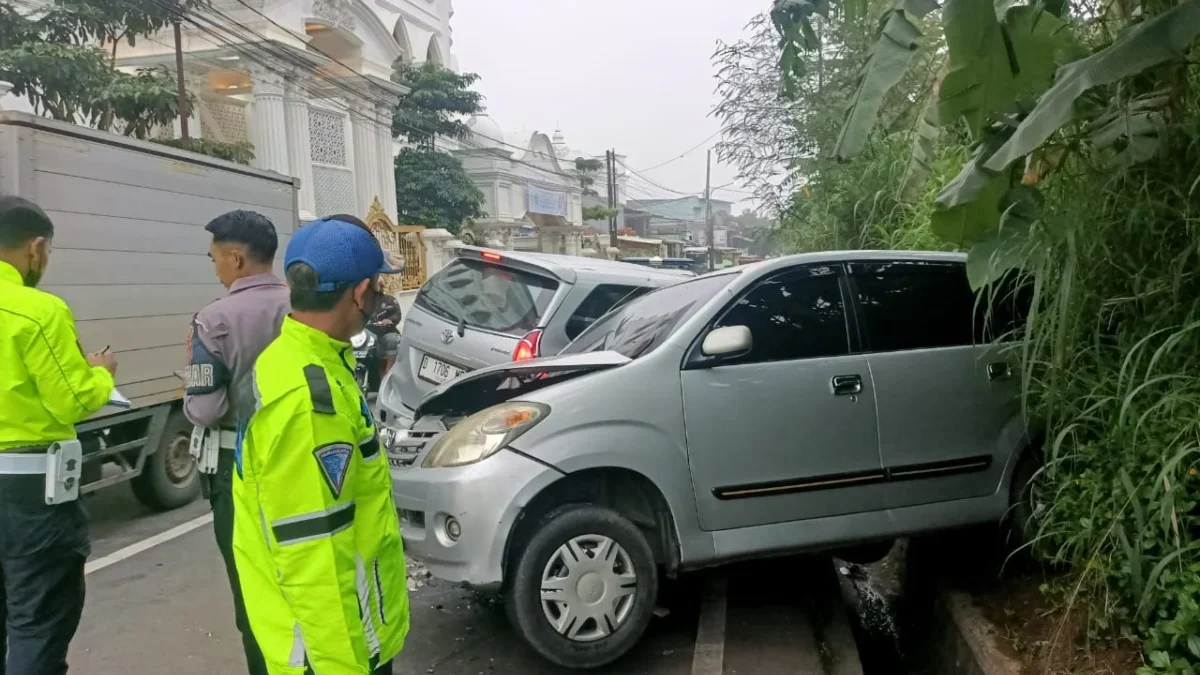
point(341, 253)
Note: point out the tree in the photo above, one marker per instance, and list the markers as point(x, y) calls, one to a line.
point(598, 213)
point(586, 170)
point(437, 99)
point(52, 57)
point(433, 190)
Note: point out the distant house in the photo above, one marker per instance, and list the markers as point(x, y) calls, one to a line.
point(680, 218)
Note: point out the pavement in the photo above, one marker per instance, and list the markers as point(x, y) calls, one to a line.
point(158, 602)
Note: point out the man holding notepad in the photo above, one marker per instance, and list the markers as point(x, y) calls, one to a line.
point(47, 386)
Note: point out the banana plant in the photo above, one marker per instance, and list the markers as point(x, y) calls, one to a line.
point(1015, 76)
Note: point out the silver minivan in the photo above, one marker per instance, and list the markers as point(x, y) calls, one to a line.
point(487, 307)
point(813, 402)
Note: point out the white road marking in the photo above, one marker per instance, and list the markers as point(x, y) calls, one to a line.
point(709, 657)
point(146, 544)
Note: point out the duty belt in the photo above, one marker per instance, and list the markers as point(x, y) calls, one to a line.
point(61, 464)
point(227, 439)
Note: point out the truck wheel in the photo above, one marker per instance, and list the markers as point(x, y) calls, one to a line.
point(169, 478)
point(583, 589)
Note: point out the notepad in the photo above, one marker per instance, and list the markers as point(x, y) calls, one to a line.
point(117, 400)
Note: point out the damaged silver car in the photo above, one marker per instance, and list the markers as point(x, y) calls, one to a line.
point(820, 401)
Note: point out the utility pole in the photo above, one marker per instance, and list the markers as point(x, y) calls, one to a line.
point(708, 221)
point(611, 156)
point(183, 102)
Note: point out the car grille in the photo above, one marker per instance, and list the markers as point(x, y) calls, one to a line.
point(404, 452)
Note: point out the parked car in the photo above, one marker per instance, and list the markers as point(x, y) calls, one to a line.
point(816, 402)
point(488, 307)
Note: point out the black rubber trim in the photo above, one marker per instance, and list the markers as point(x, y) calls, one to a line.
point(311, 528)
point(843, 480)
point(370, 448)
point(318, 389)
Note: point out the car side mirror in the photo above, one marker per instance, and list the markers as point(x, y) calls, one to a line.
point(727, 340)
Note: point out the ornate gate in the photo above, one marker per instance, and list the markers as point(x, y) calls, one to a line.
point(402, 242)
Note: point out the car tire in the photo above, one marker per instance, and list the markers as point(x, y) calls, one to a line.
point(542, 557)
point(1023, 504)
point(169, 479)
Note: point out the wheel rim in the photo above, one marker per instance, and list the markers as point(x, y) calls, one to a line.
point(179, 464)
point(589, 587)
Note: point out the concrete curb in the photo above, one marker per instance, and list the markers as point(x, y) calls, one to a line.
point(968, 644)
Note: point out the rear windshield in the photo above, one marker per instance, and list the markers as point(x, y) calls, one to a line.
point(487, 296)
point(640, 326)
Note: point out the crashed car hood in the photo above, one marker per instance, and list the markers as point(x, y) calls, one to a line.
point(483, 388)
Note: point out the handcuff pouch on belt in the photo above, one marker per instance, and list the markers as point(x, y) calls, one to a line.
point(205, 448)
point(64, 470)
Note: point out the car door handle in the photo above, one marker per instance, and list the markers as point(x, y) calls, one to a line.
point(846, 385)
point(999, 370)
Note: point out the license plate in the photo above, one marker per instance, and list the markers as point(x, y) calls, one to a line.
point(436, 371)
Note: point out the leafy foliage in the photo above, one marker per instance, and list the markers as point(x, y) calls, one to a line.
point(432, 189)
point(586, 170)
point(1063, 144)
point(437, 99)
point(51, 57)
point(239, 153)
point(598, 213)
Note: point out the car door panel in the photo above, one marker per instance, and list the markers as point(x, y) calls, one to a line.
point(771, 443)
point(787, 431)
point(943, 400)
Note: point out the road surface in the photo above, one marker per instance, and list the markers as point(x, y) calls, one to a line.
point(158, 602)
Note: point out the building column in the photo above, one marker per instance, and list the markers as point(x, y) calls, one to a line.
point(299, 145)
point(268, 129)
point(387, 168)
point(366, 155)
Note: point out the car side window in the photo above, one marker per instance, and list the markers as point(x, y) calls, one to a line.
point(599, 302)
point(798, 314)
point(914, 305)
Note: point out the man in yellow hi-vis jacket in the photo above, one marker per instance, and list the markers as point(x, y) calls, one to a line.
point(316, 537)
point(47, 386)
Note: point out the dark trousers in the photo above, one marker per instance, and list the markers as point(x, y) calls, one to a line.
point(42, 553)
point(221, 498)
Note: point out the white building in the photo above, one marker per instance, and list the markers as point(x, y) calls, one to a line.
point(307, 83)
point(526, 186)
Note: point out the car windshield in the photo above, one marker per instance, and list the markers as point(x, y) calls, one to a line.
point(639, 327)
point(488, 296)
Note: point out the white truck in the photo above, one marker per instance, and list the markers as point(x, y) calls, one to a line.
point(130, 257)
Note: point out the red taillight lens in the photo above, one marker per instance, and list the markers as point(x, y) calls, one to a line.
point(492, 256)
point(529, 347)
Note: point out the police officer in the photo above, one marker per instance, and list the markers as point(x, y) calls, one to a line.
point(47, 385)
point(316, 536)
point(227, 337)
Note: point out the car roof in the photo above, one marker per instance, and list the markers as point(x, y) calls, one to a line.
point(571, 268)
point(855, 256)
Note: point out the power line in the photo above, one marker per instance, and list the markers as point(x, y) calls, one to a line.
point(685, 153)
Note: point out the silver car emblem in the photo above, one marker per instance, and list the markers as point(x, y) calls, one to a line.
point(447, 336)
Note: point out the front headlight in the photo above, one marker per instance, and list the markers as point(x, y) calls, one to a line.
point(483, 434)
point(359, 339)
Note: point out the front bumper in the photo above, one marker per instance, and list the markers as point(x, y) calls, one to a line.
point(485, 499)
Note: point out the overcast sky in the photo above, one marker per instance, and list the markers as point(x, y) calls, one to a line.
point(635, 75)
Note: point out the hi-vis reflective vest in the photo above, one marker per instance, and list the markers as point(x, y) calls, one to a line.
point(316, 537)
point(46, 385)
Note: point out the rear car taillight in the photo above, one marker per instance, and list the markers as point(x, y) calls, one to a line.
point(529, 347)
